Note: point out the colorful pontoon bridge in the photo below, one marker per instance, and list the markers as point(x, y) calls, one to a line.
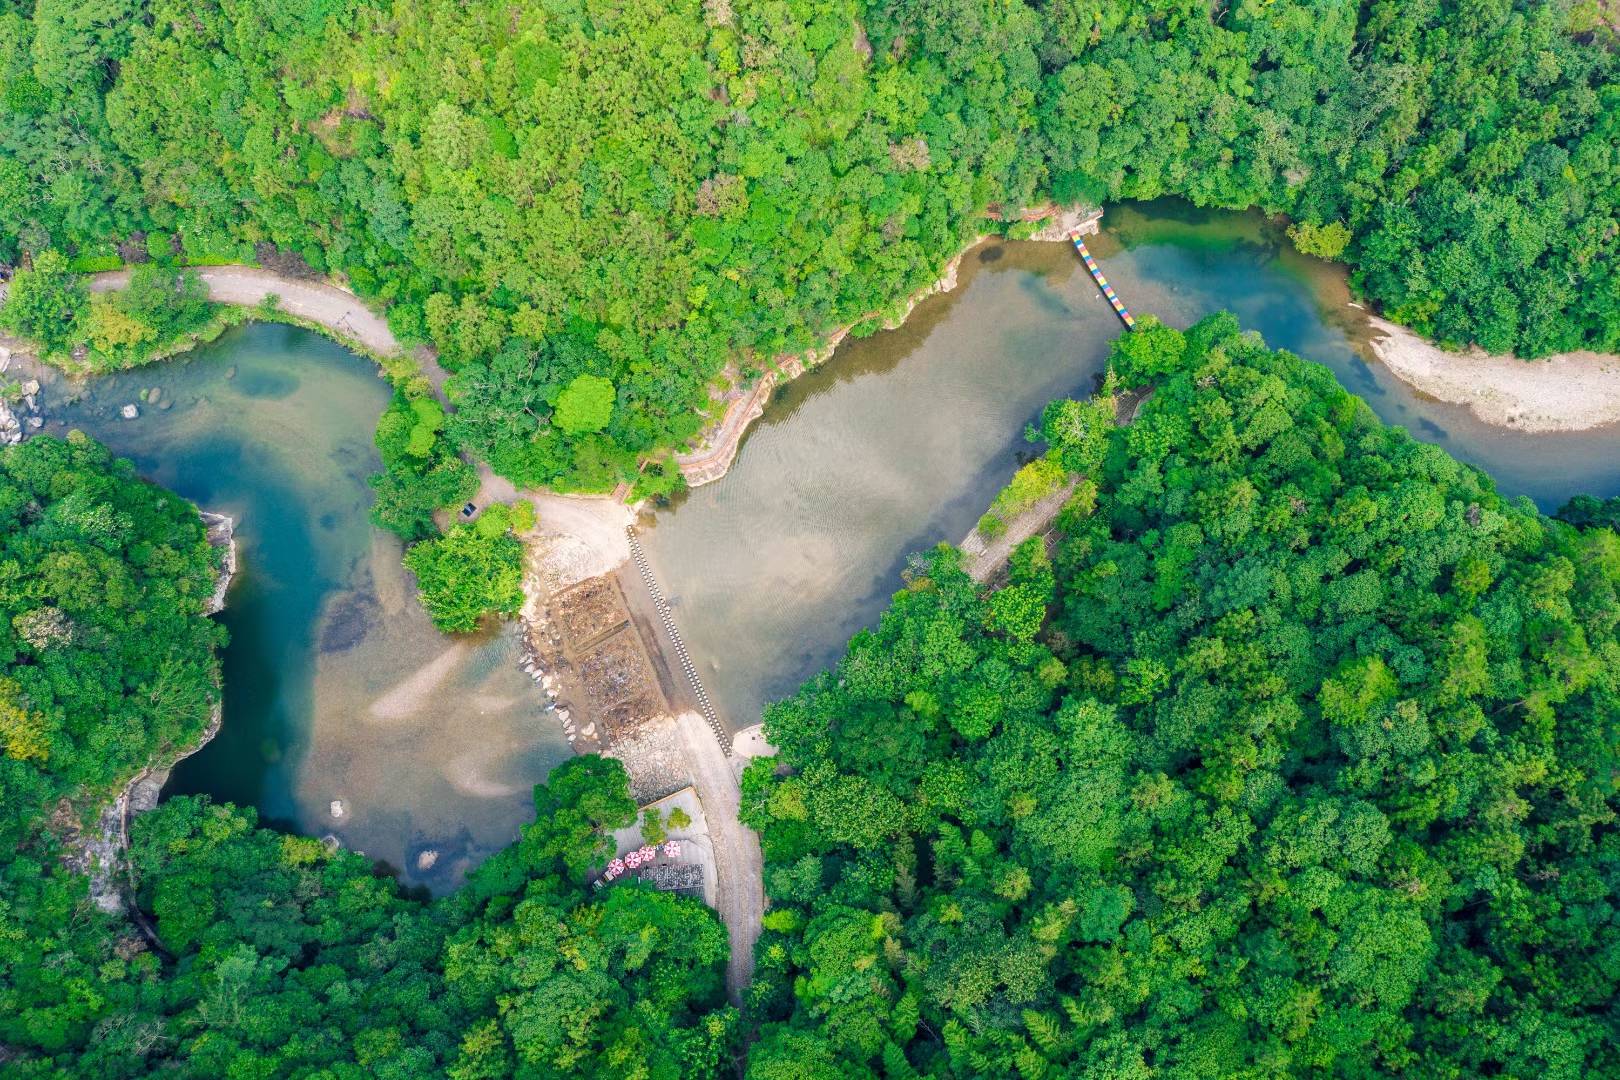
point(1102, 282)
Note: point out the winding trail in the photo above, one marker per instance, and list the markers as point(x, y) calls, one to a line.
point(319, 302)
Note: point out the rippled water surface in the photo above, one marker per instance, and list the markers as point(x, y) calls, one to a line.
point(336, 685)
point(902, 439)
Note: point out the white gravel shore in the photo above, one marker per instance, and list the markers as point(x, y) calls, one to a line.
point(1569, 392)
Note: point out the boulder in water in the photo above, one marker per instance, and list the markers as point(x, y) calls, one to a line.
point(336, 808)
point(10, 428)
point(129, 412)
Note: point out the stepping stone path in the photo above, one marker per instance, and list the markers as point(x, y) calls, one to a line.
point(668, 617)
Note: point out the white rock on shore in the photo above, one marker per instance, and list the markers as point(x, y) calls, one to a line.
point(221, 534)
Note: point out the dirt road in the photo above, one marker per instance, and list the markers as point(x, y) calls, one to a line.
point(738, 864)
point(327, 305)
point(588, 529)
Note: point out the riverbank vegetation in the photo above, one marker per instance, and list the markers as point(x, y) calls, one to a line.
point(162, 311)
point(106, 656)
point(475, 569)
point(635, 195)
point(275, 955)
point(1294, 754)
point(250, 952)
point(422, 473)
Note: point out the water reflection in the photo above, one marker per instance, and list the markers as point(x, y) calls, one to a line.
point(337, 687)
point(902, 438)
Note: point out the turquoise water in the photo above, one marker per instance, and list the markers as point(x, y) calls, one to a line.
point(1182, 263)
point(338, 688)
point(336, 685)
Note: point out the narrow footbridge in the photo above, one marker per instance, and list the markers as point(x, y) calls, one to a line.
point(1102, 282)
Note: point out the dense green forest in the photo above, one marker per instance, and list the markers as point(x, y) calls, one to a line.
point(106, 653)
point(257, 954)
point(631, 194)
point(275, 955)
point(1294, 754)
point(83, 332)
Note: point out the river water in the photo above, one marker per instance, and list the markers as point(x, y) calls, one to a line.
point(338, 688)
point(336, 685)
point(902, 439)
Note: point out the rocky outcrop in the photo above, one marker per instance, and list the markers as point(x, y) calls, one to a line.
point(222, 535)
point(11, 431)
point(1057, 222)
point(19, 403)
point(101, 852)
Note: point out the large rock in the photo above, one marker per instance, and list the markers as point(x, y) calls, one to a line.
point(221, 534)
point(100, 852)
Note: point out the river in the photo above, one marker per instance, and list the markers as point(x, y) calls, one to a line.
point(337, 688)
point(902, 439)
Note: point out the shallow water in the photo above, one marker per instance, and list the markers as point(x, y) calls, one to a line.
point(902, 439)
point(1182, 263)
point(338, 688)
point(336, 685)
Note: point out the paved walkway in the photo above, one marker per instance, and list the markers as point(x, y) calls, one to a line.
point(738, 864)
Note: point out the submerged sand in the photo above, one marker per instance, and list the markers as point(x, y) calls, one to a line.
point(1569, 392)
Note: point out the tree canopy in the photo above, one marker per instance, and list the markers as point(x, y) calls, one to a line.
point(638, 194)
point(1292, 754)
point(276, 955)
point(106, 650)
point(250, 952)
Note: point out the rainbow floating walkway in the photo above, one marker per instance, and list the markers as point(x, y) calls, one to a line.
point(1102, 282)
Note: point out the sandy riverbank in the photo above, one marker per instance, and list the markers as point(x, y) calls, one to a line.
point(1569, 392)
